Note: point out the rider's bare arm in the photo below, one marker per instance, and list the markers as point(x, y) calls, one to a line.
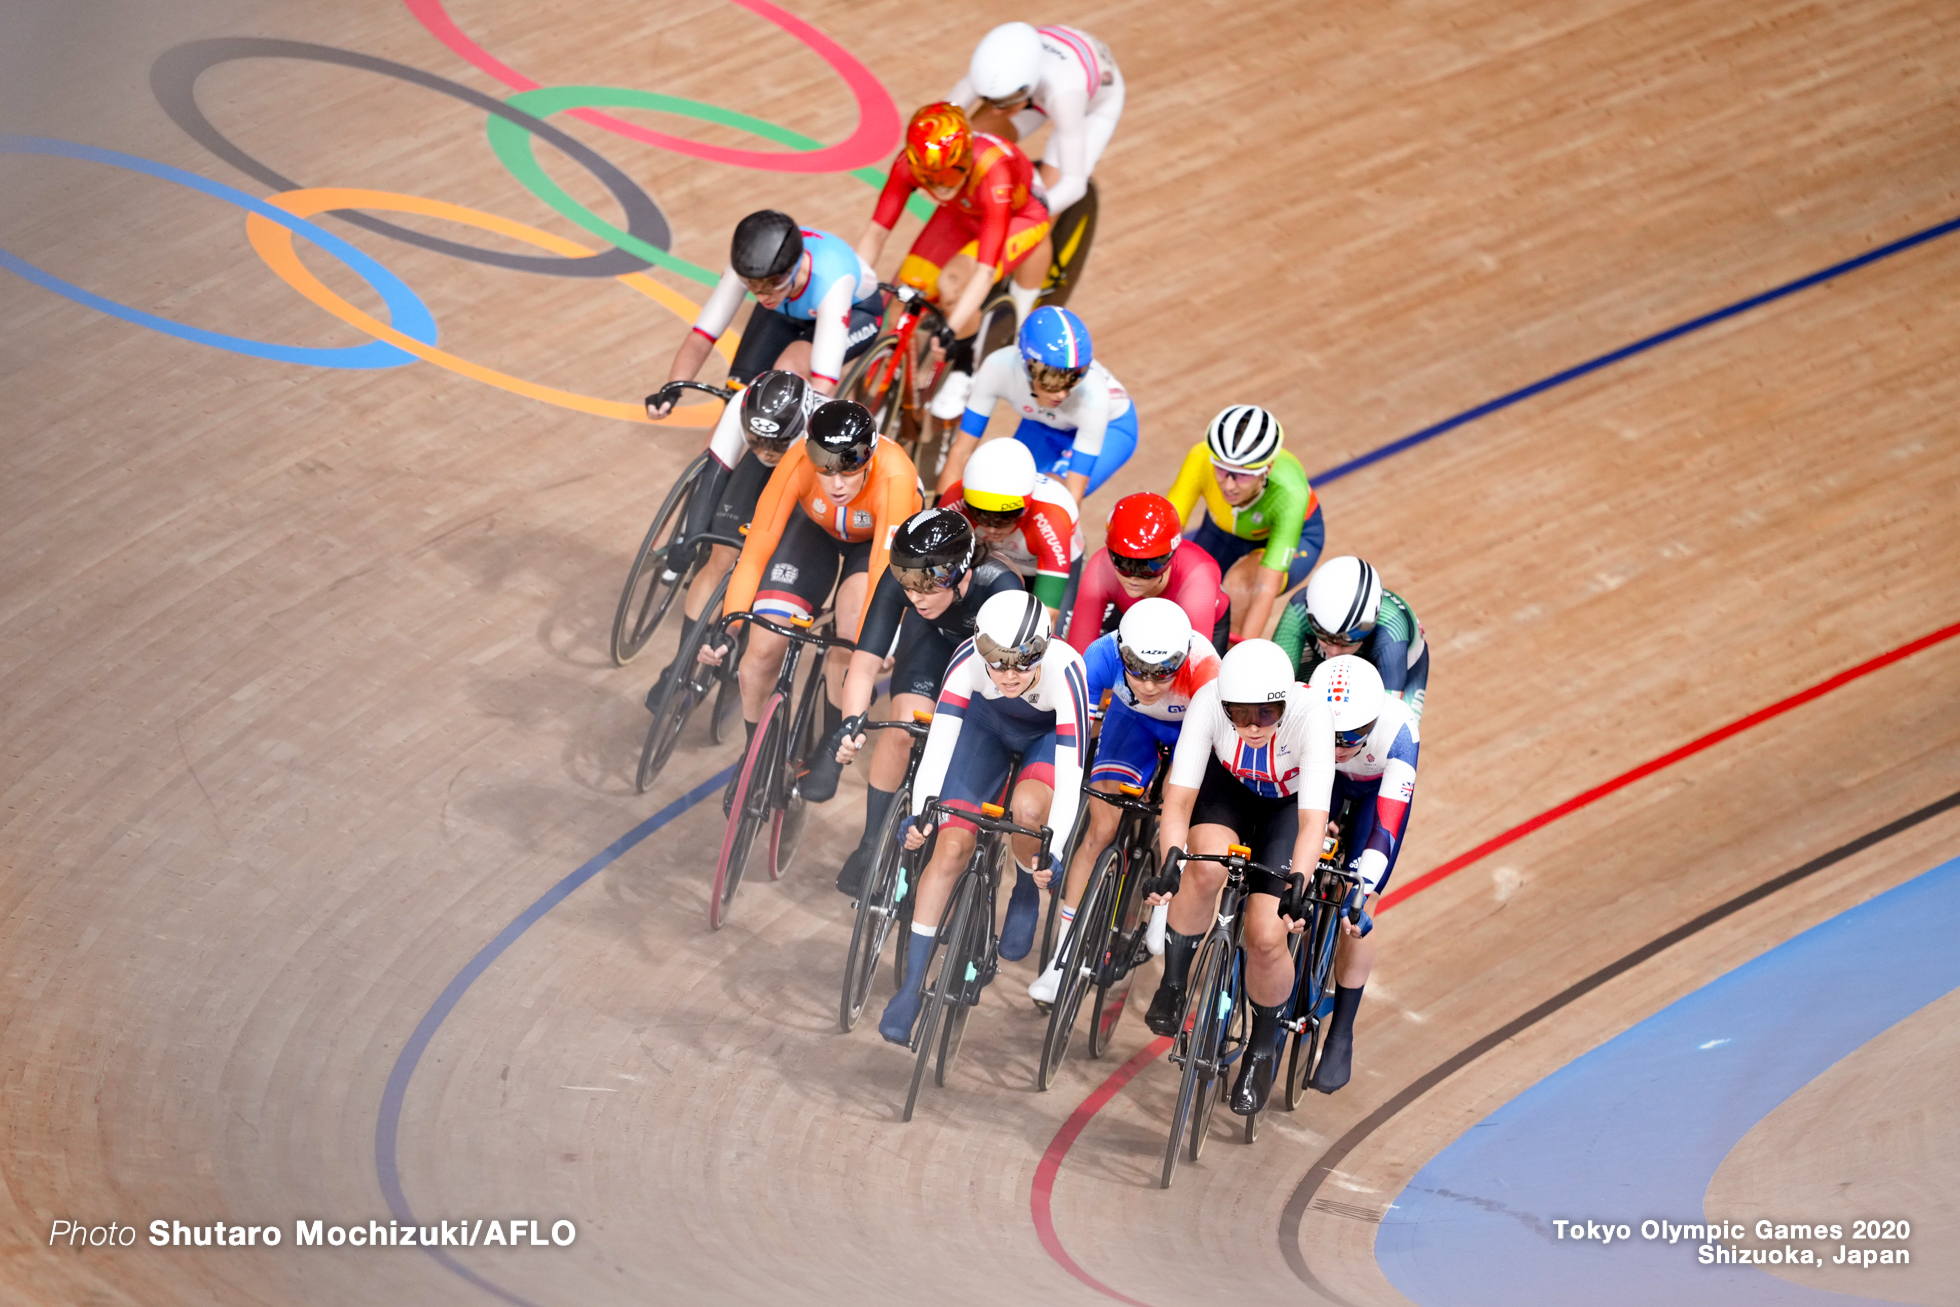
point(1267, 585)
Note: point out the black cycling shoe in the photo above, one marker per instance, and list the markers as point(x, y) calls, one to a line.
point(850, 881)
point(1255, 1081)
point(818, 784)
point(1336, 1062)
point(659, 687)
point(1166, 1006)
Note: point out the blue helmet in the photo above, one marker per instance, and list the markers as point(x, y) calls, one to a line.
point(1055, 338)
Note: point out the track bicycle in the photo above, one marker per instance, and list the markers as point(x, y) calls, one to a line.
point(765, 792)
point(650, 584)
point(967, 945)
point(1313, 989)
point(1216, 1021)
point(1105, 943)
point(885, 883)
point(690, 685)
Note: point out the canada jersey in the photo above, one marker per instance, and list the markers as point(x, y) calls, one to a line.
point(1104, 662)
point(1298, 759)
point(1059, 694)
point(1388, 758)
point(1044, 550)
point(999, 185)
point(838, 279)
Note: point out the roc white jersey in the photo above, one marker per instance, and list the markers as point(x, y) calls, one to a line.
point(1297, 760)
point(1081, 91)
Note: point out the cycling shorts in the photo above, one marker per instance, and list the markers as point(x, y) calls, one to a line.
point(949, 232)
point(919, 666)
point(1361, 821)
point(1226, 548)
point(990, 736)
point(769, 333)
point(1126, 751)
point(737, 506)
point(1054, 450)
point(1269, 827)
point(802, 571)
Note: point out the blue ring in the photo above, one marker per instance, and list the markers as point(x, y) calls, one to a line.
point(405, 310)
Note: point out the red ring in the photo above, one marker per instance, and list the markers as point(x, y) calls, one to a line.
point(877, 127)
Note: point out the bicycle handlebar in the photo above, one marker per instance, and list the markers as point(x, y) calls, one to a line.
point(998, 825)
point(801, 635)
point(856, 726)
point(1133, 802)
point(723, 393)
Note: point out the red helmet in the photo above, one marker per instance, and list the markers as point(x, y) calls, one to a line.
point(939, 144)
point(1144, 525)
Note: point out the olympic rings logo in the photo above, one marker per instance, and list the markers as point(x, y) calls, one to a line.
point(514, 125)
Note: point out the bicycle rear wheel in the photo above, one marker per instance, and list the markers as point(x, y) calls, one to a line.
point(1201, 1041)
point(1082, 957)
point(647, 595)
point(876, 914)
point(748, 812)
point(1074, 231)
point(945, 989)
point(865, 382)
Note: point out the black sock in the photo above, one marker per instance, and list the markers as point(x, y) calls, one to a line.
point(749, 728)
point(833, 716)
point(1178, 952)
point(877, 805)
point(1345, 1002)
point(1266, 1030)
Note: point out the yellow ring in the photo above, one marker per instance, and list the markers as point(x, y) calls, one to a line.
point(275, 245)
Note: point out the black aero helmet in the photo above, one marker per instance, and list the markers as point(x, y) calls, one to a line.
point(772, 411)
point(841, 436)
point(767, 244)
point(932, 550)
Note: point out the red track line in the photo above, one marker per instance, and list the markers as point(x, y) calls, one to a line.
point(1078, 1121)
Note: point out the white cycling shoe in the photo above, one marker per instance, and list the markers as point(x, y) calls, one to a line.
point(950, 402)
point(1047, 984)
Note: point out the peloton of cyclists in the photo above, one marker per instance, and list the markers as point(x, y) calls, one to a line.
point(1026, 519)
point(1344, 609)
point(1263, 523)
point(929, 598)
point(1149, 667)
point(1144, 558)
point(1075, 418)
point(1022, 76)
point(1011, 689)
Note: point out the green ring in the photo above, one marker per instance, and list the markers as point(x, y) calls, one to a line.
point(515, 148)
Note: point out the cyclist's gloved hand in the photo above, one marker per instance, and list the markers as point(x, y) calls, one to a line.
point(1354, 920)
point(945, 337)
point(849, 738)
point(662, 401)
point(1293, 903)
point(1166, 882)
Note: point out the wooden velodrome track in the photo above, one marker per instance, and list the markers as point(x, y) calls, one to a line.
point(305, 696)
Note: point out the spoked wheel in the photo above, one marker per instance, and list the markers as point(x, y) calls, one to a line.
point(1313, 1001)
point(1201, 1040)
point(1127, 951)
point(1073, 232)
point(876, 914)
point(650, 589)
point(750, 811)
point(1107, 1013)
point(945, 989)
point(1081, 963)
point(787, 833)
point(684, 693)
point(1228, 1028)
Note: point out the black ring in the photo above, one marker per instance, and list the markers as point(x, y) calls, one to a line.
point(173, 78)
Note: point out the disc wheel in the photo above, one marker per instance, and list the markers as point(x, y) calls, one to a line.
point(748, 813)
point(945, 989)
point(877, 911)
point(1200, 1040)
point(1082, 959)
point(1074, 231)
point(647, 595)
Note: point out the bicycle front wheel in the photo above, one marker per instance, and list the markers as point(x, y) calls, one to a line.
point(648, 592)
point(1201, 1039)
point(1126, 950)
point(787, 832)
point(683, 695)
point(873, 382)
point(877, 910)
point(748, 812)
point(1313, 999)
point(1082, 955)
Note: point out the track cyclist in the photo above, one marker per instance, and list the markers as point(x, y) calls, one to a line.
point(1026, 519)
point(1143, 558)
point(818, 306)
point(1254, 766)
point(990, 223)
point(1345, 610)
point(1262, 523)
point(929, 598)
point(1376, 741)
point(1011, 689)
point(748, 441)
point(1150, 666)
point(1076, 419)
point(854, 489)
point(1022, 76)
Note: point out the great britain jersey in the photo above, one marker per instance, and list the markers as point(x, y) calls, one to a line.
point(1389, 758)
point(1297, 760)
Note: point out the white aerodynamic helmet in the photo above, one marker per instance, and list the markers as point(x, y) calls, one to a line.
point(999, 477)
point(1011, 629)
point(1354, 691)
point(1255, 671)
point(1154, 638)
point(1007, 63)
point(1343, 599)
point(1244, 437)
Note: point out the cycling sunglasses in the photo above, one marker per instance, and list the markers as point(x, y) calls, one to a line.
point(1053, 380)
point(1355, 636)
point(1139, 566)
point(1144, 671)
point(1024, 95)
point(1002, 659)
point(1256, 714)
point(835, 464)
point(1355, 738)
point(929, 580)
point(771, 285)
point(995, 518)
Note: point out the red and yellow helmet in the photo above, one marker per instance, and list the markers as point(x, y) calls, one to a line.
point(939, 144)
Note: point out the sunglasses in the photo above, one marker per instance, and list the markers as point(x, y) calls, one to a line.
point(1238, 474)
point(1355, 636)
point(1144, 671)
point(1003, 659)
point(835, 464)
point(775, 286)
point(1139, 566)
point(1354, 738)
point(1256, 714)
point(995, 518)
point(929, 580)
point(1053, 380)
